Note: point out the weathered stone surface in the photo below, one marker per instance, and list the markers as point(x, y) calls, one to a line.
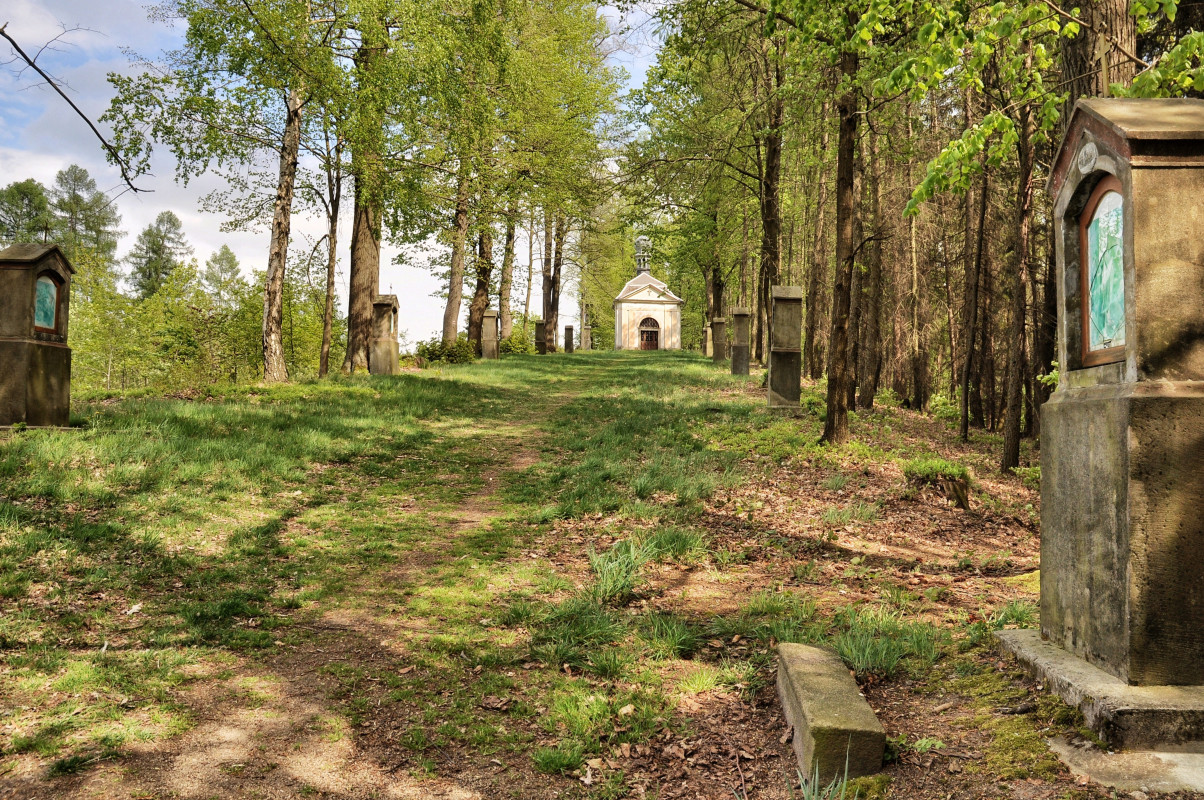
point(1135, 717)
point(383, 351)
point(541, 343)
point(740, 347)
point(489, 333)
point(833, 724)
point(35, 362)
point(719, 334)
point(786, 348)
point(1136, 773)
point(587, 338)
point(568, 338)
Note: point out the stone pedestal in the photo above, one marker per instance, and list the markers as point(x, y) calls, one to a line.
point(1122, 437)
point(706, 340)
point(785, 347)
point(35, 361)
point(719, 337)
point(740, 320)
point(587, 337)
point(383, 351)
point(489, 334)
point(568, 338)
point(541, 343)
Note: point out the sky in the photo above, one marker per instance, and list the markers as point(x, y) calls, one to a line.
point(85, 40)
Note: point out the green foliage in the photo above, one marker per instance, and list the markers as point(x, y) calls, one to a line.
point(933, 469)
point(518, 342)
point(875, 640)
point(616, 571)
point(434, 351)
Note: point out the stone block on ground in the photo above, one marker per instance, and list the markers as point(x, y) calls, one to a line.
point(834, 726)
point(1133, 717)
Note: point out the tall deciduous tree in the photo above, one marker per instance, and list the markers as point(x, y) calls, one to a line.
point(159, 250)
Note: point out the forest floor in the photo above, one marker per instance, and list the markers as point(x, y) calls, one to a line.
point(557, 576)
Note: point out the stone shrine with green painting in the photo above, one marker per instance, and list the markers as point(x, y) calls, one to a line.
point(1122, 437)
point(35, 361)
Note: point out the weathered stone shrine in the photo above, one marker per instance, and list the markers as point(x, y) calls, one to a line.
point(785, 348)
point(740, 346)
point(568, 338)
point(489, 334)
point(1122, 437)
point(384, 353)
point(541, 342)
point(647, 314)
point(35, 361)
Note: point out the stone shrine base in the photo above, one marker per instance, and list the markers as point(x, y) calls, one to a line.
point(1164, 725)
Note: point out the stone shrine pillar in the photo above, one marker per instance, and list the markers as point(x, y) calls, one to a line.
point(568, 338)
point(1122, 437)
point(541, 344)
point(785, 347)
point(383, 352)
point(489, 334)
point(587, 337)
point(719, 335)
point(740, 348)
point(35, 361)
point(706, 339)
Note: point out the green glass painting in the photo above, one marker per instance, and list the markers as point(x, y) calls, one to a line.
point(45, 302)
point(1106, 273)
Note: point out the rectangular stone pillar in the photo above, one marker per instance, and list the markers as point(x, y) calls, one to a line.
point(706, 340)
point(587, 337)
point(489, 334)
point(719, 339)
point(384, 350)
point(541, 343)
point(785, 347)
point(568, 338)
point(740, 320)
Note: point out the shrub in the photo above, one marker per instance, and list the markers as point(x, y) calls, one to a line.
point(517, 342)
point(434, 351)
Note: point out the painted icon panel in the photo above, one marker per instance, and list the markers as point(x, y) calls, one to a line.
point(45, 303)
point(1105, 273)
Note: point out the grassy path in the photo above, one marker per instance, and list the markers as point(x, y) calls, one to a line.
point(547, 577)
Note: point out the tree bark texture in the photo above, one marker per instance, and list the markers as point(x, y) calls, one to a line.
point(334, 194)
point(506, 282)
point(870, 364)
point(813, 351)
point(480, 296)
point(274, 367)
point(836, 426)
point(455, 279)
point(1016, 335)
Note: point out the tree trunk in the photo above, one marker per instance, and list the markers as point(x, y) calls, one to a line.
point(870, 365)
point(973, 274)
point(551, 292)
point(507, 279)
point(455, 280)
point(364, 277)
point(334, 193)
point(480, 297)
point(1016, 336)
point(549, 256)
point(530, 272)
point(836, 426)
point(1090, 62)
point(813, 354)
point(274, 367)
point(771, 203)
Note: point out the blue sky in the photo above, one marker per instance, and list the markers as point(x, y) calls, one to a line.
point(40, 135)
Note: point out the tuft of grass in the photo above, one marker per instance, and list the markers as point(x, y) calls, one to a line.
point(835, 483)
point(875, 640)
point(564, 757)
point(931, 469)
point(668, 636)
point(703, 678)
point(616, 572)
point(680, 544)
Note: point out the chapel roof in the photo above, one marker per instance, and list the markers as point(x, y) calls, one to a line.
point(28, 252)
point(644, 280)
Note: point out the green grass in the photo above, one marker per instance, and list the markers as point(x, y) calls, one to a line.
point(238, 523)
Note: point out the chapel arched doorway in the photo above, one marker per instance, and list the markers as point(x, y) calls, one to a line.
point(650, 334)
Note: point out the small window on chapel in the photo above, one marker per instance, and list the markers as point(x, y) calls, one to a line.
point(1102, 233)
point(46, 304)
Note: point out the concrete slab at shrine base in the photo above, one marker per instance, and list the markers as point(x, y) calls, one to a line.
point(1143, 771)
point(833, 724)
point(1157, 718)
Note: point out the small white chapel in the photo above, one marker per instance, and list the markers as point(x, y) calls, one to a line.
point(647, 314)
